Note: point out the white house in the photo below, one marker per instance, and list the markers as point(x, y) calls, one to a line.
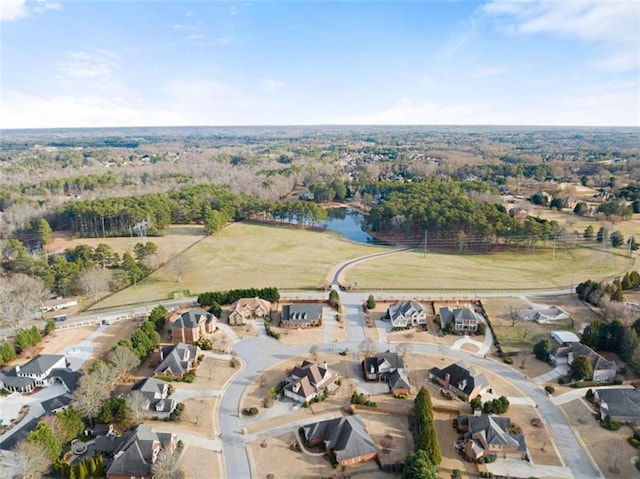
point(407, 313)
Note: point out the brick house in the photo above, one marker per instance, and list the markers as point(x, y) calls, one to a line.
point(192, 325)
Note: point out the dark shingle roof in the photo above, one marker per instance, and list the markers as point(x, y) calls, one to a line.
point(301, 313)
point(40, 364)
point(461, 375)
point(621, 402)
point(345, 436)
point(174, 358)
point(190, 319)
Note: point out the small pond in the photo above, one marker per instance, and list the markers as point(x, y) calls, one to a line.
point(349, 223)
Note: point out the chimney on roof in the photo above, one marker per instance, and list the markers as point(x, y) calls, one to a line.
point(325, 365)
point(447, 379)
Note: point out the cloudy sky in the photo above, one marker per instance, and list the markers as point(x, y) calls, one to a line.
point(153, 63)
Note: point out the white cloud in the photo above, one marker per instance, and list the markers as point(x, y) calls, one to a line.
point(95, 64)
point(15, 9)
point(12, 9)
point(271, 85)
point(613, 24)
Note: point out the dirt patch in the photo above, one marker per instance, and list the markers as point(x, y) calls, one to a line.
point(198, 463)
point(197, 418)
point(608, 448)
point(447, 437)
point(61, 339)
point(469, 347)
point(212, 374)
point(538, 440)
point(391, 435)
point(110, 337)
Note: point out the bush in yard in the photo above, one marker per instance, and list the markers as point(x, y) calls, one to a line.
point(590, 394)
point(507, 360)
point(550, 389)
point(371, 302)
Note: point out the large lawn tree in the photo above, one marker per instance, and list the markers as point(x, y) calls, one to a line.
point(418, 466)
point(581, 368)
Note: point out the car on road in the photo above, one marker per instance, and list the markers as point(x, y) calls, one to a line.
point(60, 318)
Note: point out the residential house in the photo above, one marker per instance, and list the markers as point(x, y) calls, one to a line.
point(543, 315)
point(460, 379)
point(302, 315)
point(156, 395)
point(308, 381)
point(177, 360)
point(248, 308)
point(42, 371)
point(135, 457)
point(192, 325)
point(489, 435)
point(622, 404)
point(345, 438)
point(388, 367)
point(464, 320)
point(407, 313)
point(58, 303)
point(603, 369)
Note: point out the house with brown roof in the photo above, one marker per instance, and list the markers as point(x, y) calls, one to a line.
point(191, 325)
point(309, 381)
point(489, 435)
point(248, 308)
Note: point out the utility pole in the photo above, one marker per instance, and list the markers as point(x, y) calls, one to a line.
point(629, 246)
point(425, 244)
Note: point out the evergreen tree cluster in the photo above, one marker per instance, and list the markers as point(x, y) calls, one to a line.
point(212, 298)
point(426, 435)
point(27, 337)
point(90, 467)
point(144, 339)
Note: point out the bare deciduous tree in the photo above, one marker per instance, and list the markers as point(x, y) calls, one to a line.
point(402, 349)
point(20, 296)
point(313, 351)
point(136, 402)
point(123, 360)
point(512, 310)
point(90, 396)
point(368, 346)
point(179, 266)
point(93, 281)
point(33, 459)
point(166, 465)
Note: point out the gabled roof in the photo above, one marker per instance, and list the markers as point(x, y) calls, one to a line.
point(405, 308)
point(457, 314)
point(345, 436)
point(192, 318)
point(310, 370)
point(149, 385)
point(56, 403)
point(488, 429)
point(398, 380)
point(135, 456)
point(301, 313)
point(458, 374)
point(40, 364)
point(301, 387)
point(621, 402)
point(578, 349)
point(251, 304)
point(392, 359)
point(176, 358)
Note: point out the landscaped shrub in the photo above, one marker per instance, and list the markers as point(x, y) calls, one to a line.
point(564, 380)
point(360, 398)
point(584, 384)
point(507, 360)
point(177, 412)
point(550, 389)
point(250, 411)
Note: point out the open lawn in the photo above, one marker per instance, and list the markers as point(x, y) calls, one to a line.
point(486, 272)
point(174, 240)
point(522, 335)
point(244, 255)
point(199, 463)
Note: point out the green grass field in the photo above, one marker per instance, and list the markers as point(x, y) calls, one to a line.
point(500, 271)
point(245, 255)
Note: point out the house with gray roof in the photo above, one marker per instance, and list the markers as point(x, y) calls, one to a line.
point(462, 320)
point(489, 435)
point(622, 404)
point(460, 379)
point(248, 308)
point(407, 313)
point(191, 325)
point(156, 394)
point(41, 371)
point(177, 360)
point(135, 456)
point(388, 367)
point(345, 438)
point(301, 315)
point(603, 369)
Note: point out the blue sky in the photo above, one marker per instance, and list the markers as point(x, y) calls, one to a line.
point(154, 63)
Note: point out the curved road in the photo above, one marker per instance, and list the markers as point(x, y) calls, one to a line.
point(261, 353)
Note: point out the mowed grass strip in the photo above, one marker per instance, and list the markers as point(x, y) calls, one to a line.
point(412, 270)
point(245, 255)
